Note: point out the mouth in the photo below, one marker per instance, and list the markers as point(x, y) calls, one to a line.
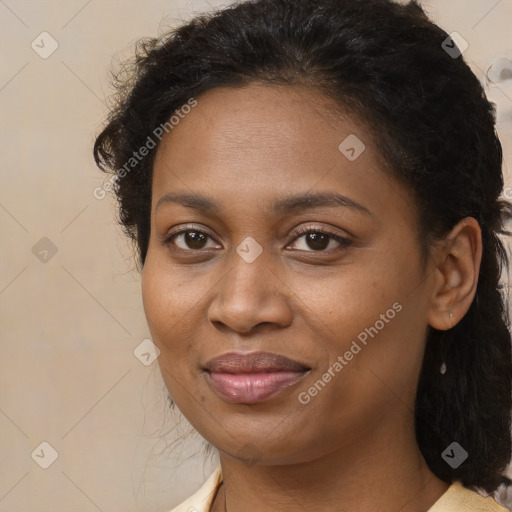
point(252, 377)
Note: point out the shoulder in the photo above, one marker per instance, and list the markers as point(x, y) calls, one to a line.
point(458, 498)
point(201, 501)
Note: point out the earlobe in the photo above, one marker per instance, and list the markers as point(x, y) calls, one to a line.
point(457, 269)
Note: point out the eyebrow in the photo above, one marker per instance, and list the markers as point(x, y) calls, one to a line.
point(286, 205)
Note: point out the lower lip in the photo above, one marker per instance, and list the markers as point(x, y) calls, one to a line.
point(251, 388)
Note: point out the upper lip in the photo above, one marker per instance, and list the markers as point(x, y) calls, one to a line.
point(253, 362)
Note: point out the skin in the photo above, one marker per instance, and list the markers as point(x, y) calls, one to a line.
point(352, 447)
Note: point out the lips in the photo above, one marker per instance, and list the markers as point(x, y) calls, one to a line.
point(254, 362)
point(252, 377)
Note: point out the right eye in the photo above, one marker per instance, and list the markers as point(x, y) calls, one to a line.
point(190, 239)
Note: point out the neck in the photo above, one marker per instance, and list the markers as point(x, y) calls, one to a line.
point(384, 471)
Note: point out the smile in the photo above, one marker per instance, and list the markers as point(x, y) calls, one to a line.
point(254, 377)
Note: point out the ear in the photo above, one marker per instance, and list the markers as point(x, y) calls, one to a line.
point(457, 262)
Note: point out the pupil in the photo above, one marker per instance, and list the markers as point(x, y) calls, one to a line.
point(316, 241)
point(192, 237)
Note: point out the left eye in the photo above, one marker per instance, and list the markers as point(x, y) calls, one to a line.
point(318, 240)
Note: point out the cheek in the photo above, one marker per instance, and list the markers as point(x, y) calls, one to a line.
point(375, 314)
point(341, 305)
point(382, 358)
point(175, 314)
point(156, 300)
point(163, 312)
point(166, 297)
point(165, 307)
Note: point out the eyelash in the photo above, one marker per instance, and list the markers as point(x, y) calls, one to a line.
point(344, 242)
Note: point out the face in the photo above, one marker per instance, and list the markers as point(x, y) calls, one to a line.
point(293, 242)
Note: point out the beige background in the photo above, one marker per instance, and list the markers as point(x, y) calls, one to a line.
point(69, 326)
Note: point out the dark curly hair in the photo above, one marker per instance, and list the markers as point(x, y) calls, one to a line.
point(388, 64)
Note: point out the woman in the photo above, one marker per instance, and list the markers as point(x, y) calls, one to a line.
point(313, 187)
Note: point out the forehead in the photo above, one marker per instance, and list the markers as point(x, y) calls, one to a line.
point(262, 127)
point(260, 142)
point(235, 120)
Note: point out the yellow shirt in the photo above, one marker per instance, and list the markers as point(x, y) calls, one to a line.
point(456, 499)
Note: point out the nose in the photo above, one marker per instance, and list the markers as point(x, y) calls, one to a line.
point(250, 294)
